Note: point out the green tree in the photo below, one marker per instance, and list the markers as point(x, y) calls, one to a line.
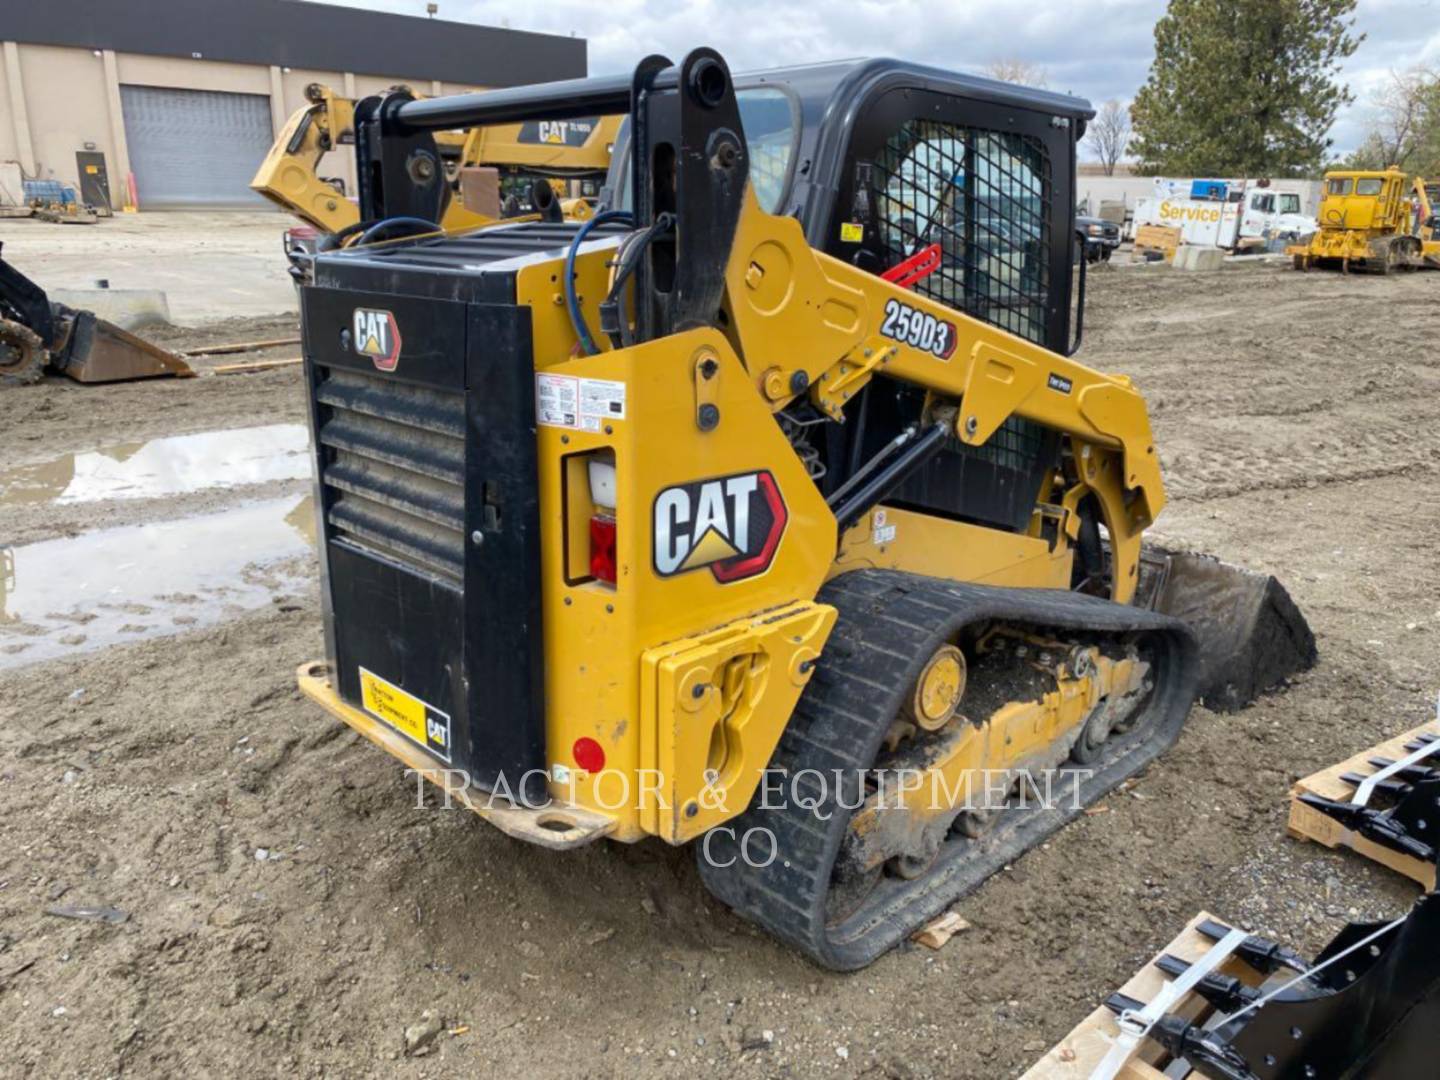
point(1243, 87)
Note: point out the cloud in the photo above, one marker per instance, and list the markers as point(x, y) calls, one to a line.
point(1098, 50)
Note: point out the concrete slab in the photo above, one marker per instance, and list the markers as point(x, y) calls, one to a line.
point(128, 309)
point(1195, 257)
point(210, 265)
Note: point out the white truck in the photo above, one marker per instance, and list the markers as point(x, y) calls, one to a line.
point(1230, 214)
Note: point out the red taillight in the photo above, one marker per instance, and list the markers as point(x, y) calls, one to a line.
point(588, 754)
point(602, 548)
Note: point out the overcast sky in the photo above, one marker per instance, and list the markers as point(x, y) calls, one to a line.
point(1099, 49)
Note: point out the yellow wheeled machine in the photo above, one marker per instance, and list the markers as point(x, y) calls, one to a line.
point(476, 163)
point(1366, 223)
point(766, 511)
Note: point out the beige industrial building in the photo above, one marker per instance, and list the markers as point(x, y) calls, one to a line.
point(177, 101)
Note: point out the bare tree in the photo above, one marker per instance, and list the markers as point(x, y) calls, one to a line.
point(1399, 116)
point(1017, 71)
point(1109, 134)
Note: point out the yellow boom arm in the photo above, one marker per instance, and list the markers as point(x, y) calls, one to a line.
point(287, 176)
point(787, 301)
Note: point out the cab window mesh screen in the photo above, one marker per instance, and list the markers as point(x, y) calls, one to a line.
point(984, 197)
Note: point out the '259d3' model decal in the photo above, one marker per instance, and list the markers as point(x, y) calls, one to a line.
point(731, 524)
point(919, 330)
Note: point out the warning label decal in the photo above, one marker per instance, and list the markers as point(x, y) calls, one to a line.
point(584, 404)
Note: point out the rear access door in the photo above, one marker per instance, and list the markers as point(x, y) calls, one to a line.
point(423, 419)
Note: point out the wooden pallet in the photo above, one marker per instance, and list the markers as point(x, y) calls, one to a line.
point(1307, 823)
point(1076, 1056)
point(1161, 238)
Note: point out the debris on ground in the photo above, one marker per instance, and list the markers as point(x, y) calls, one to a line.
point(112, 915)
point(939, 930)
point(419, 1037)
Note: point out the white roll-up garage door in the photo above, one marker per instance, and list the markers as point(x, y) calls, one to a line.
point(195, 148)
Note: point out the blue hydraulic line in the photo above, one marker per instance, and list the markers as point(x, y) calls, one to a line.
point(572, 300)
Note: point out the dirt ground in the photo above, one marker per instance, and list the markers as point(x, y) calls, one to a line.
point(290, 910)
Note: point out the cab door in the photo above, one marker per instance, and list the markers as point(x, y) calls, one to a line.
point(992, 185)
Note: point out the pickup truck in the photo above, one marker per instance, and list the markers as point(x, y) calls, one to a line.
point(1097, 236)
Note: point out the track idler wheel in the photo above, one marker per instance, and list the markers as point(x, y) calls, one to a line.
point(939, 689)
point(22, 354)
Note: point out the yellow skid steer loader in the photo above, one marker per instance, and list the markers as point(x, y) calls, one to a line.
point(766, 511)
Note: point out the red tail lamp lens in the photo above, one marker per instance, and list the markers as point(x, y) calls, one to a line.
point(602, 548)
point(588, 754)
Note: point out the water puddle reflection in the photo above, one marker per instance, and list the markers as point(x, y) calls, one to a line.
point(76, 594)
point(174, 465)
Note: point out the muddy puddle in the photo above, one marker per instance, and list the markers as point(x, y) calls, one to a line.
point(76, 594)
point(174, 465)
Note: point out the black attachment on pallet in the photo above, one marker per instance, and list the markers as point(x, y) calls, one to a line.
point(1392, 788)
point(1204, 1050)
point(1262, 954)
point(1367, 1009)
point(1225, 992)
point(1411, 827)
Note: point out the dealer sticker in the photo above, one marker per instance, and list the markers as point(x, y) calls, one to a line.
point(422, 724)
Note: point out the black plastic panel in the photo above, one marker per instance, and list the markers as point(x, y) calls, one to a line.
point(504, 648)
point(430, 499)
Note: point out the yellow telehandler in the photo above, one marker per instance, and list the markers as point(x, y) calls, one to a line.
point(545, 158)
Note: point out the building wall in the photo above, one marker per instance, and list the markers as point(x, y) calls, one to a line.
point(9, 149)
point(70, 102)
point(65, 102)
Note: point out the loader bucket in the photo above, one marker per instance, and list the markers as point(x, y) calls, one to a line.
point(92, 350)
point(1252, 636)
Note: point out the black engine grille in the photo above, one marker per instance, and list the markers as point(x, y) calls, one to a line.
point(394, 457)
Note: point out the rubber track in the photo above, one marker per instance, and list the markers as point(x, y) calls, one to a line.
point(889, 624)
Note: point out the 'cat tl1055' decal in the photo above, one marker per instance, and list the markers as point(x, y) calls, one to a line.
point(732, 524)
point(918, 329)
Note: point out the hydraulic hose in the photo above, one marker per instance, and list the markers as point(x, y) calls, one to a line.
point(386, 224)
point(572, 300)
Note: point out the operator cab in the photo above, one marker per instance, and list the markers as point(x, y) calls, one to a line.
point(880, 159)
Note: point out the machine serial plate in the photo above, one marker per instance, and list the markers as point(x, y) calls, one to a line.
point(407, 714)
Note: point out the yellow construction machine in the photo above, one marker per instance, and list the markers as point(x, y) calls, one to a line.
point(504, 170)
point(1368, 223)
point(766, 511)
point(1425, 226)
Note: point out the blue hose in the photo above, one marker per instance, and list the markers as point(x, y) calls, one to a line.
point(572, 301)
